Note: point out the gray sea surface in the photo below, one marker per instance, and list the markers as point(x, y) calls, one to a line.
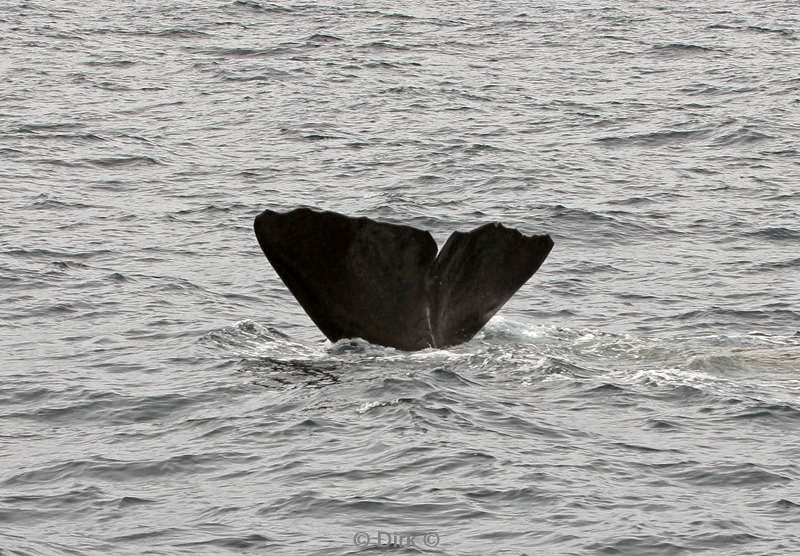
point(162, 392)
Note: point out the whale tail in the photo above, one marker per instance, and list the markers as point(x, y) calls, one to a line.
point(358, 278)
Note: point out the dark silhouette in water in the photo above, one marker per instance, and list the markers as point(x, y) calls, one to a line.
point(357, 278)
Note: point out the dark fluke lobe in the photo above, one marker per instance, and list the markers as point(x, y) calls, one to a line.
point(358, 278)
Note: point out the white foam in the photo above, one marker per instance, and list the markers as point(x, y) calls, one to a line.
point(366, 406)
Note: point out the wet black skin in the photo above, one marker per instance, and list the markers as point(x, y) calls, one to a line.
point(358, 278)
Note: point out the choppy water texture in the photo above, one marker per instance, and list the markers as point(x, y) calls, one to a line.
point(162, 392)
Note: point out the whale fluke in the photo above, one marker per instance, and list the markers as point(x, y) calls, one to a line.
point(358, 278)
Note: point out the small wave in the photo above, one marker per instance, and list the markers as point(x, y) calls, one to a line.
point(366, 407)
point(788, 153)
point(55, 204)
point(121, 161)
point(236, 543)
point(250, 339)
point(678, 48)
point(479, 148)
point(64, 36)
point(172, 33)
point(662, 424)
point(69, 265)
point(787, 33)
point(111, 63)
point(112, 408)
point(677, 381)
point(382, 64)
point(553, 367)
point(721, 314)
point(260, 6)
point(645, 449)
point(776, 234)
point(132, 501)
point(638, 544)
point(396, 15)
point(176, 33)
point(283, 372)
point(501, 328)
point(146, 107)
point(632, 201)
point(64, 136)
point(383, 46)
point(322, 38)
point(357, 346)
point(59, 162)
point(726, 474)
point(742, 136)
point(78, 496)
point(319, 137)
point(209, 209)
point(314, 131)
point(112, 86)
point(120, 470)
point(236, 52)
point(261, 74)
point(15, 545)
point(656, 138)
point(784, 412)
point(779, 265)
point(580, 214)
point(36, 253)
point(607, 226)
point(151, 533)
point(497, 495)
point(53, 127)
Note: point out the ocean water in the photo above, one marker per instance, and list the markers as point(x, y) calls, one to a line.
point(163, 393)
